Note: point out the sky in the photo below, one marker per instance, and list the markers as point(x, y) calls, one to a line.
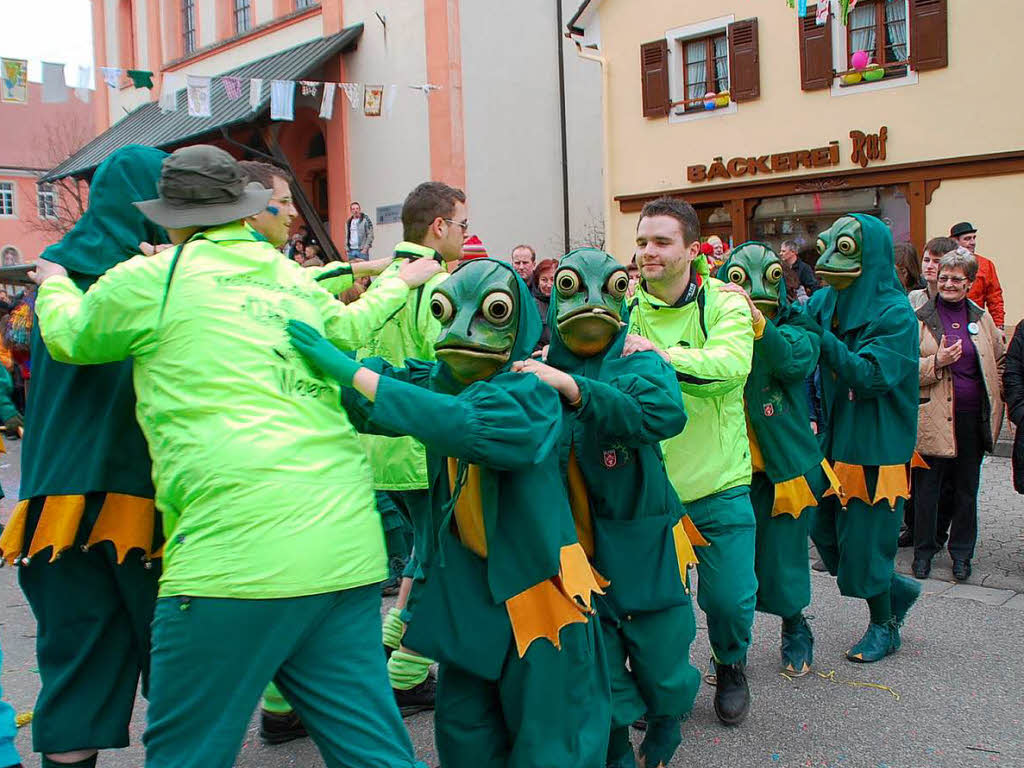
point(47, 30)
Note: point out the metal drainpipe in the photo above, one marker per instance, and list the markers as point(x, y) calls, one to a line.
point(605, 142)
point(565, 143)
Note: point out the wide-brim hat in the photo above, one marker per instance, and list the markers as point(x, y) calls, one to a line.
point(203, 186)
point(961, 229)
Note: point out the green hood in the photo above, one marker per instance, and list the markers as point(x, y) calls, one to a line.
point(111, 229)
point(746, 256)
point(528, 329)
point(878, 284)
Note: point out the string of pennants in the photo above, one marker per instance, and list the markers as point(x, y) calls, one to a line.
point(824, 8)
point(374, 100)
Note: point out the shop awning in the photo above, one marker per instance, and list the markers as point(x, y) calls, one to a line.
point(150, 126)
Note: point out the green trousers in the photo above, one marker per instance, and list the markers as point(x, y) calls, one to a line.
point(727, 585)
point(858, 544)
point(549, 709)
point(92, 643)
point(781, 562)
point(213, 657)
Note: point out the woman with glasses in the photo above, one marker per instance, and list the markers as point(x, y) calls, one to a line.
point(961, 411)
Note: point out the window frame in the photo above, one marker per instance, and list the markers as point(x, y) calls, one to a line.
point(46, 191)
point(189, 27)
point(12, 188)
point(303, 4)
point(676, 39)
point(242, 11)
point(841, 54)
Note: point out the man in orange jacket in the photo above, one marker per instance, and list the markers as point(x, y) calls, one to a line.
point(986, 291)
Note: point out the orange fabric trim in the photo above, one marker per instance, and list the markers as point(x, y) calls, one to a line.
point(3, 448)
point(580, 505)
point(58, 525)
point(469, 509)
point(756, 457)
point(545, 608)
point(792, 497)
point(892, 484)
point(918, 462)
point(693, 534)
point(685, 554)
point(127, 522)
point(852, 484)
point(12, 541)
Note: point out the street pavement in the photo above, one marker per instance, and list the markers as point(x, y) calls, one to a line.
point(953, 696)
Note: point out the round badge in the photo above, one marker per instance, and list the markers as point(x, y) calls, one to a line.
point(972, 328)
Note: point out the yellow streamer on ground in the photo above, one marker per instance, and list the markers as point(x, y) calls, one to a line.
point(23, 718)
point(831, 677)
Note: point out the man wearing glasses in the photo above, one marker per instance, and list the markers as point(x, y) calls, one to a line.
point(434, 223)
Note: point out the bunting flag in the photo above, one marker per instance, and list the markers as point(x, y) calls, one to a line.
point(112, 76)
point(198, 92)
point(232, 87)
point(389, 101)
point(327, 103)
point(309, 88)
point(823, 12)
point(801, 8)
point(84, 84)
point(354, 93)
point(55, 89)
point(14, 81)
point(173, 82)
point(255, 93)
point(140, 78)
point(282, 99)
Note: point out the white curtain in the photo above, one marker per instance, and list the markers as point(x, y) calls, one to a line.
point(896, 28)
point(721, 64)
point(862, 39)
point(696, 69)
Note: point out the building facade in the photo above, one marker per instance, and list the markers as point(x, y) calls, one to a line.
point(33, 138)
point(763, 122)
point(493, 127)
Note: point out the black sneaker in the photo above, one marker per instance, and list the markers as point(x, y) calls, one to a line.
point(281, 728)
point(961, 569)
point(921, 567)
point(419, 698)
point(390, 587)
point(732, 695)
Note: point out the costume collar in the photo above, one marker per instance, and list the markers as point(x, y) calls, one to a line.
point(236, 230)
point(689, 295)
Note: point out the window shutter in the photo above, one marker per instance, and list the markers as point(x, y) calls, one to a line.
point(815, 53)
point(929, 34)
point(744, 61)
point(654, 78)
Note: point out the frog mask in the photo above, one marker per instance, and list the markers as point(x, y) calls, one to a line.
point(758, 270)
point(841, 249)
point(587, 308)
point(479, 311)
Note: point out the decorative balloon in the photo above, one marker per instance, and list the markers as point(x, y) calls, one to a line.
point(860, 60)
point(723, 99)
point(852, 78)
point(874, 72)
point(709, 100)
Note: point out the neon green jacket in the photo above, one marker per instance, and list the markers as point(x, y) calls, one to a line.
point(710, 341)
point(400, 463)
point(263, 485)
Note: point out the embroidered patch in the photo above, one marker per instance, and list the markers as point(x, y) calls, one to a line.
point(610, 459)
point(769, 409)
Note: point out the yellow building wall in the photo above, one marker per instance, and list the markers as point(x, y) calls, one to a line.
point(964, 109)
point(993, 206)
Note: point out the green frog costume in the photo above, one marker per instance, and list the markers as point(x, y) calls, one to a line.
point(708, 337)
point(85, 532)
point(628, 516)
point(790, 473)
point(506, 598)
point(274, 545)
point(869, 381)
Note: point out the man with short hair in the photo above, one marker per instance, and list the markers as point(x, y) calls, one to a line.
point(985, 291)
point(358, 234)
point(706, 335)
point(524, 259)
point(789, 253)
point(434, 223)
point(274, 549)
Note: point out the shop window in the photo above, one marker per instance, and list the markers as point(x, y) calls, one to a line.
point(7, 198)
point(719, 56)
point(46, 201)
point(188, 26)
point(243, 16)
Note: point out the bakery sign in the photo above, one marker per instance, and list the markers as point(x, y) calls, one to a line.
point(865, 148)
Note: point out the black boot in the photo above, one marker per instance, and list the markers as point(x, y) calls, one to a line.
point(419, 698)
point(961, 569)
point(732, 695)
point(281, 728)
point(921, 567)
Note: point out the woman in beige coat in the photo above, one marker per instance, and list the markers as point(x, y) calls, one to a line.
point(961, 411)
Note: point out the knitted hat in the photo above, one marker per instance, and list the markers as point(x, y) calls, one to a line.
point(473, 248)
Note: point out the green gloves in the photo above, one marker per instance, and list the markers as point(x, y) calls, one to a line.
point(393, 629)
point(321, 353)
point(407, 670)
